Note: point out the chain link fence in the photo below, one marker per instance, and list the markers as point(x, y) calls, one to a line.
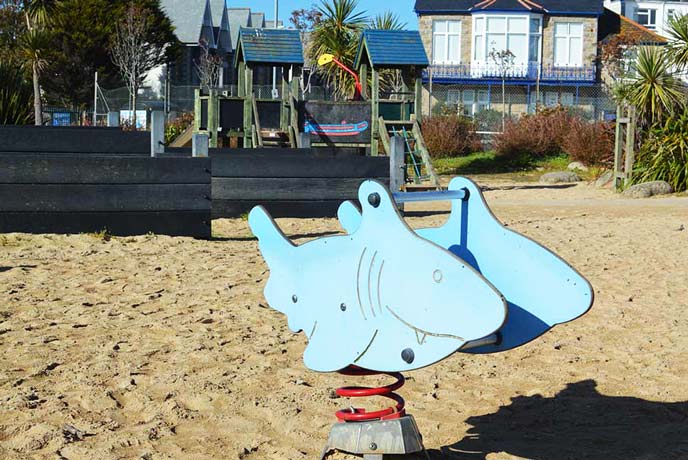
point(485, 102)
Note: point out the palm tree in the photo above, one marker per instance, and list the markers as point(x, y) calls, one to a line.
point(35, 43)
point(677, 48)
point(654, 90)
point(337, 34)
point(387, 21)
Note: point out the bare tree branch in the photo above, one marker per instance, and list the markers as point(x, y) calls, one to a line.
point(208, 67)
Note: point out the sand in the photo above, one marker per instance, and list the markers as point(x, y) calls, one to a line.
point(155, 347)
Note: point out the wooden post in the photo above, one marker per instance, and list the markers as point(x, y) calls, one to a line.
point(618, 148)
point(375, 110)
point(363, 75)
point(305, 140)
point(199, 145)
point(157, 133)
point(113, 119)
point(248, 107)
point(213, 117)
point(396, 163)
point(418, 98)
point(630, 147)
point(294, 112)
point(198, 108)
point(405, 87)
point(284, 111)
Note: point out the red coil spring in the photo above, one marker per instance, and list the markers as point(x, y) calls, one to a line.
point(361, 415)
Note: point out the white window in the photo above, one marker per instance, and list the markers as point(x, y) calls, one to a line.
point(553, 99)
point(446, 42)
point(647, 17)
point(453, 97)
point(568, 44)
point(468, 101)
point(483, 101)
point(520, 34)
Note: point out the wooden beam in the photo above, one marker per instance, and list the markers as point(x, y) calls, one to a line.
point(418, 98)
point(375, 110)
point(248, 106)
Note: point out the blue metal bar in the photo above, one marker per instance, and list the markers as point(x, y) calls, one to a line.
point(416, 197)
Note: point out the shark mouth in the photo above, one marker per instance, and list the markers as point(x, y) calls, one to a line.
point(368, 282)
point(421, 334)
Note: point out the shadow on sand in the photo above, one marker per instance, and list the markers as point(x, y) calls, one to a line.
point(578, 423)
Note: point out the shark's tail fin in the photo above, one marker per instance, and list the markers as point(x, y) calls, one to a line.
point(273, 243)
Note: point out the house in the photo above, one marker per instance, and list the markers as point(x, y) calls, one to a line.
point(210, 22)
point(653, 14)
point(552, 59)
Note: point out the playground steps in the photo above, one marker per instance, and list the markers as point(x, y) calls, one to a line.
point(275, 138)
point(420, 170)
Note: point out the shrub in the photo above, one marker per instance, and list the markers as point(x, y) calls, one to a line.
point(488, 120)
point(176, 127)
point(16, 96)
point(590, 143)
point(450, 136)
point(536, 136)
point(664, 155)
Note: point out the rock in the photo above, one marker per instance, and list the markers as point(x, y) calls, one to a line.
point(577, 165)
point(648, 189)
point(605, 179)
point(560, 177)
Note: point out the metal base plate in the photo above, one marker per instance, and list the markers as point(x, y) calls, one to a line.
point(373, 440)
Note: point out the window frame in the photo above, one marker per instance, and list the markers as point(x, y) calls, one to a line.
point(447, 35)
point(482, 33)
point(577, 63)
point(650, 13)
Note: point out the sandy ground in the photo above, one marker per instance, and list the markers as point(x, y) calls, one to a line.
point(158, 348)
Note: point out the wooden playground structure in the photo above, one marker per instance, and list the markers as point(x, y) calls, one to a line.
point(289, 120)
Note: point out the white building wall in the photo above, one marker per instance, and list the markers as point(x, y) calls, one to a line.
point(662, 8)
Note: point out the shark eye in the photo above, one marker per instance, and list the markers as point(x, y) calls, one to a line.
point(437, 276)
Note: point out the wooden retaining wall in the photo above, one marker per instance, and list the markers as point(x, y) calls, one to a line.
point(73, 139)
point(124, 194)
point(289, 182)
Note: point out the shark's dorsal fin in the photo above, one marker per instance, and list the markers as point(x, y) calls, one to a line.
point(349, 217)
point(273, 242)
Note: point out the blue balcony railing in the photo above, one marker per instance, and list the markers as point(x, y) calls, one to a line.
point(522, 72)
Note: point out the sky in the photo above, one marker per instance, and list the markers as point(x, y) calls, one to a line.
point(402, 8)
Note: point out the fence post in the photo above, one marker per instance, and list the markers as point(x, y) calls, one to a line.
point(199, 145)
point(397, 158)
point(305, 140)
point(113, 119)
point(157, 133)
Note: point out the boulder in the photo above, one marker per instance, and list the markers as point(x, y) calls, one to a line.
point(648, 189)
point(577, 166)
point(605, 179)
point(563, 177)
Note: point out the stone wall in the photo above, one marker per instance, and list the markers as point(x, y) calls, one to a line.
point(425, 28)
point(589, 36)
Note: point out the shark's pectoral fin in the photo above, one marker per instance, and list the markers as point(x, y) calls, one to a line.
point(333, 347)
point(349, 217)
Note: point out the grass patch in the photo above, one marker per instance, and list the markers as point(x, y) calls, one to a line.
point(489, 163)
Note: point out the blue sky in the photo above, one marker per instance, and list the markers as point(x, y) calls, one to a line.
point(403, 8)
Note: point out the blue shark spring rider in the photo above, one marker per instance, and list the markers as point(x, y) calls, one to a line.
point(384, 298)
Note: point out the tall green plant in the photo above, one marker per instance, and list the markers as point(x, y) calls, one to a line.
point(337, 34)
point(654, 90)
point(34, 44)
point(15, 96)
point(664, 155)
point(677, 48)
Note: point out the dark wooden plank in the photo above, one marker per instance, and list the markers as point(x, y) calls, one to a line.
point(240, 188)
point(48, 139)
point(305, 209)
point(177, 223)
point(100, 198)
point(306, 166)
point(88, 169)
